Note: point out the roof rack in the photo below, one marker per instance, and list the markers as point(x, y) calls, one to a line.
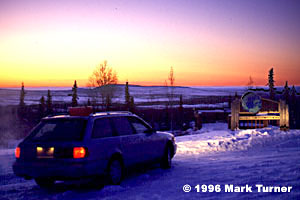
point(111, 113)
point(57, 114)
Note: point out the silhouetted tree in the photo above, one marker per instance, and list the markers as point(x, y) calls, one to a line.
point(171, 94)
point(271, 83)
point(132, 106)
point(21, 109)
point(127, 96)
point(74, 95)
point(236, 95)
point(42, 107)
point(49, 103)
point(22, 96)
point(286, 92)
point(250, 83)
point(104, 77)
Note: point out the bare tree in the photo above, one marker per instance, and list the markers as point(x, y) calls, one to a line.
point(102, 80)
point(171, 94)
point(250, 83)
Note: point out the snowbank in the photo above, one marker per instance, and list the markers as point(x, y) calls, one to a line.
point(217, 137)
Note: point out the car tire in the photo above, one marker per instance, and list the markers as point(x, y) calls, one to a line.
point(45, 182)
point(115, 171)
point(166, 161)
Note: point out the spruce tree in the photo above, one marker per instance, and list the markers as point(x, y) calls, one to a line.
point(286, 92)
point(74, 95)
point(49, 102)
point(22, 96)
point(180, 102)
point(42, 107)
point(127, 96)
point(271, 83)
point(21, 109)
point(131, 106)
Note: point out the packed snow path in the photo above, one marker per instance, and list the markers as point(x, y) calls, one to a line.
point(267, 156)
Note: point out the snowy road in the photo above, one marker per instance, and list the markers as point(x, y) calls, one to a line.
point(272, 163)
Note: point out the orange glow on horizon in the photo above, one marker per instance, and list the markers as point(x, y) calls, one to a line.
point(45, 45)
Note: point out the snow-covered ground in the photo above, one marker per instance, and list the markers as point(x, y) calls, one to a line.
point(148, 94)
point(213, 155)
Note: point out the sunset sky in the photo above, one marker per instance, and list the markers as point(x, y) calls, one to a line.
point(208, 43)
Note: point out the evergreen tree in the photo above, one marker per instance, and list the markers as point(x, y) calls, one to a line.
point(271, 83)
point(49, 103)
point(74, 95)
point(236, 95)
point(131, 105)
point(89, 102)
point(127, 97)
point(180, 102)
point(42, 107)
point(286, 92)
point(21, 109)
point(22, 96)
point(171, 95)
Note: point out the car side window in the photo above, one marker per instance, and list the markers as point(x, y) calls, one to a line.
point(139, 126)
point(122, 126)
point(102, 128)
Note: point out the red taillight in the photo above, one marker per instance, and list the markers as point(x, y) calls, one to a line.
point(18, 152)
point(79, 152)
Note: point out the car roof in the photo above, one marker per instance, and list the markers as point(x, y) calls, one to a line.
point(97, 114)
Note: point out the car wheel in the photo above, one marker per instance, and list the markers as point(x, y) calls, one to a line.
point(166, 161)
point(115, 172)
point(44, 182)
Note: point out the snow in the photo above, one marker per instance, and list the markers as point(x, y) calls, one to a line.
point(216, 105)
point(141, 94)
point(216, 137)
point(213, 155)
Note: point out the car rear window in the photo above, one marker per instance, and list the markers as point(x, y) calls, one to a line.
point(59, 130)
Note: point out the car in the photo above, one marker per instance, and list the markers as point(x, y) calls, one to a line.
point(81, 145)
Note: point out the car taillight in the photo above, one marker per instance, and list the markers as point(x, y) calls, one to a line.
point(17, 152)
point(79, 152)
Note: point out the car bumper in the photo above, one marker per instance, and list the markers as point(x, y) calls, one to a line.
point(67, 170)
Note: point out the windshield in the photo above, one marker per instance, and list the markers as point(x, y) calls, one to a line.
point(59, 130)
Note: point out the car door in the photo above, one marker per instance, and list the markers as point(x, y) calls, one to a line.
point(130, 143)
point(152, 144)
point(103, 143)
